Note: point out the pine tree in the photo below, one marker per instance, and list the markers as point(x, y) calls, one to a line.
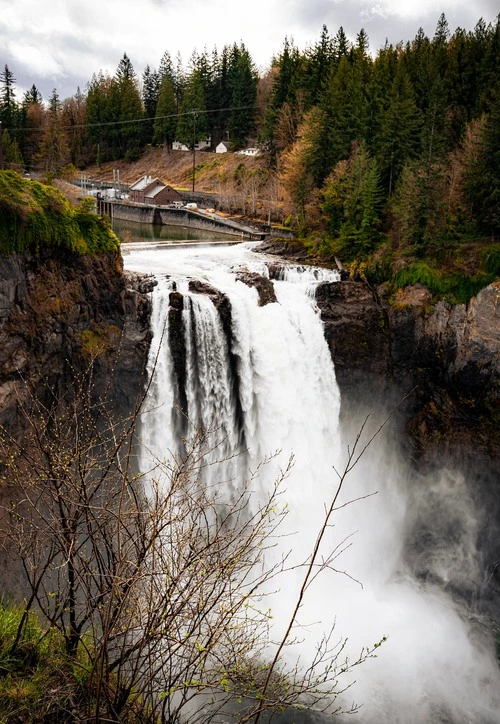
point(74, 117)
point(33, 116)
point(285, 88)
point(98, 115)
point(166, 114)
point(317, 68)
point(12, 157)
point(125, 71)
point(192, 123)
point(351, 204)
point(243, 87)
point(341, 45)
point(8, 106)
point(125, 106)
point(32, 95)
point(482, 177)
point(54, 150)
point(397, 140)
point(179, 80)
point(344, 117)
point(151, 80)
point(166, 67)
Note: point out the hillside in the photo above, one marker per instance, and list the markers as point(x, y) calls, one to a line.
point(213, 171)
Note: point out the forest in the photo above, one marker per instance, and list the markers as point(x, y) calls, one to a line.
point(390, 159)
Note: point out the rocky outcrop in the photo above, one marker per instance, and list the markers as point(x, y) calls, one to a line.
point(288, 248)
point(60, 311)
point(264, 286)
point(448, 355)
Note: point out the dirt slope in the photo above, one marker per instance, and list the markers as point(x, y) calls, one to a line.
point(175, 168)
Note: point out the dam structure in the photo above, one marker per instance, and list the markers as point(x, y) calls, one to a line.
point(169, 216)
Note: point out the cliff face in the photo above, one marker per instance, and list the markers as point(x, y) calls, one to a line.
point(57, 312)
point(449, 354)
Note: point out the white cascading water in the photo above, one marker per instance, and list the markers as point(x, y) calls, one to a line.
point(436, 665)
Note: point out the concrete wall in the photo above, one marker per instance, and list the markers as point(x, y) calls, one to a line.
point(184, 217)
point(176, 217)
point(126, 212)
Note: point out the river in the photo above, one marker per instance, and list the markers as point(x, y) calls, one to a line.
point(270, 386)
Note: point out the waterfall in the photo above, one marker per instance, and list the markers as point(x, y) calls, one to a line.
point(268, 385)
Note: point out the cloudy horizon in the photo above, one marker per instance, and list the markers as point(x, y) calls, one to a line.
point(65, 44)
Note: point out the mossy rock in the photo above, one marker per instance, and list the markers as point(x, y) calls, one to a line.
point(34, 216)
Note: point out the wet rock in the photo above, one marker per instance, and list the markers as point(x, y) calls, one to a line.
point(290, 248)
point(264, 286)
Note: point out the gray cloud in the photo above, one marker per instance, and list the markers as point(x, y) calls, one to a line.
point(69, 41)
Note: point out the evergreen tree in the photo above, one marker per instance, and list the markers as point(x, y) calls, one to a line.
point(192, 125)
point(317, 67)
point(482, 177)
point(125, 71)
point(166, 67)
point(397, 139)
point(32, 95)
point(74, 118)
point(98, 111)
point(166, 114)
point(33, 116)
point(378, 92)
point(151, 80)
point(179, 80)
point(341, 44)
point(344, 118)
point(285, 88)
point(54, 150)
point(126, 110)
point(8, 106)
point(352, 202)
point(12, 157)
point(243, 87)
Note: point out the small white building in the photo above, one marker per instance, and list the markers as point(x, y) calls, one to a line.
point(223, 147)
point(249, 152)
point(200, 145)
point(178, 146)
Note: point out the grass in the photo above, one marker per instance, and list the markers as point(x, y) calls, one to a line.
point(34, 216)
point(36, 680)
point(41, 684)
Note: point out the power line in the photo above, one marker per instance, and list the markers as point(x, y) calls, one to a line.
point(102, 124)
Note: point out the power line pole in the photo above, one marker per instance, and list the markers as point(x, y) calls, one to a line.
point(194, 144)
point(1, 146)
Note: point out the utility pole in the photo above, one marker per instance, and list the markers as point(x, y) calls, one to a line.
point(194, 144)
point(1, 146)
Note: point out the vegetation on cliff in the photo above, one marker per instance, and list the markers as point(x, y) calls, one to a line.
point(34, 216)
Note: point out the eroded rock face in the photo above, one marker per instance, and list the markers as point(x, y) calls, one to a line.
point(264, 286)
point(59, 312)
point(448, 356)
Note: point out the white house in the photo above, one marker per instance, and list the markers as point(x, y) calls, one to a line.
point(200, 145)
point(223, 147)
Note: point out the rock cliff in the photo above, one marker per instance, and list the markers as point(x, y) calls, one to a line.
point(449, 355)
point(58, 311)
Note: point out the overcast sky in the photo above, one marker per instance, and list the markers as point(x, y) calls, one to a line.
point(61, 43)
